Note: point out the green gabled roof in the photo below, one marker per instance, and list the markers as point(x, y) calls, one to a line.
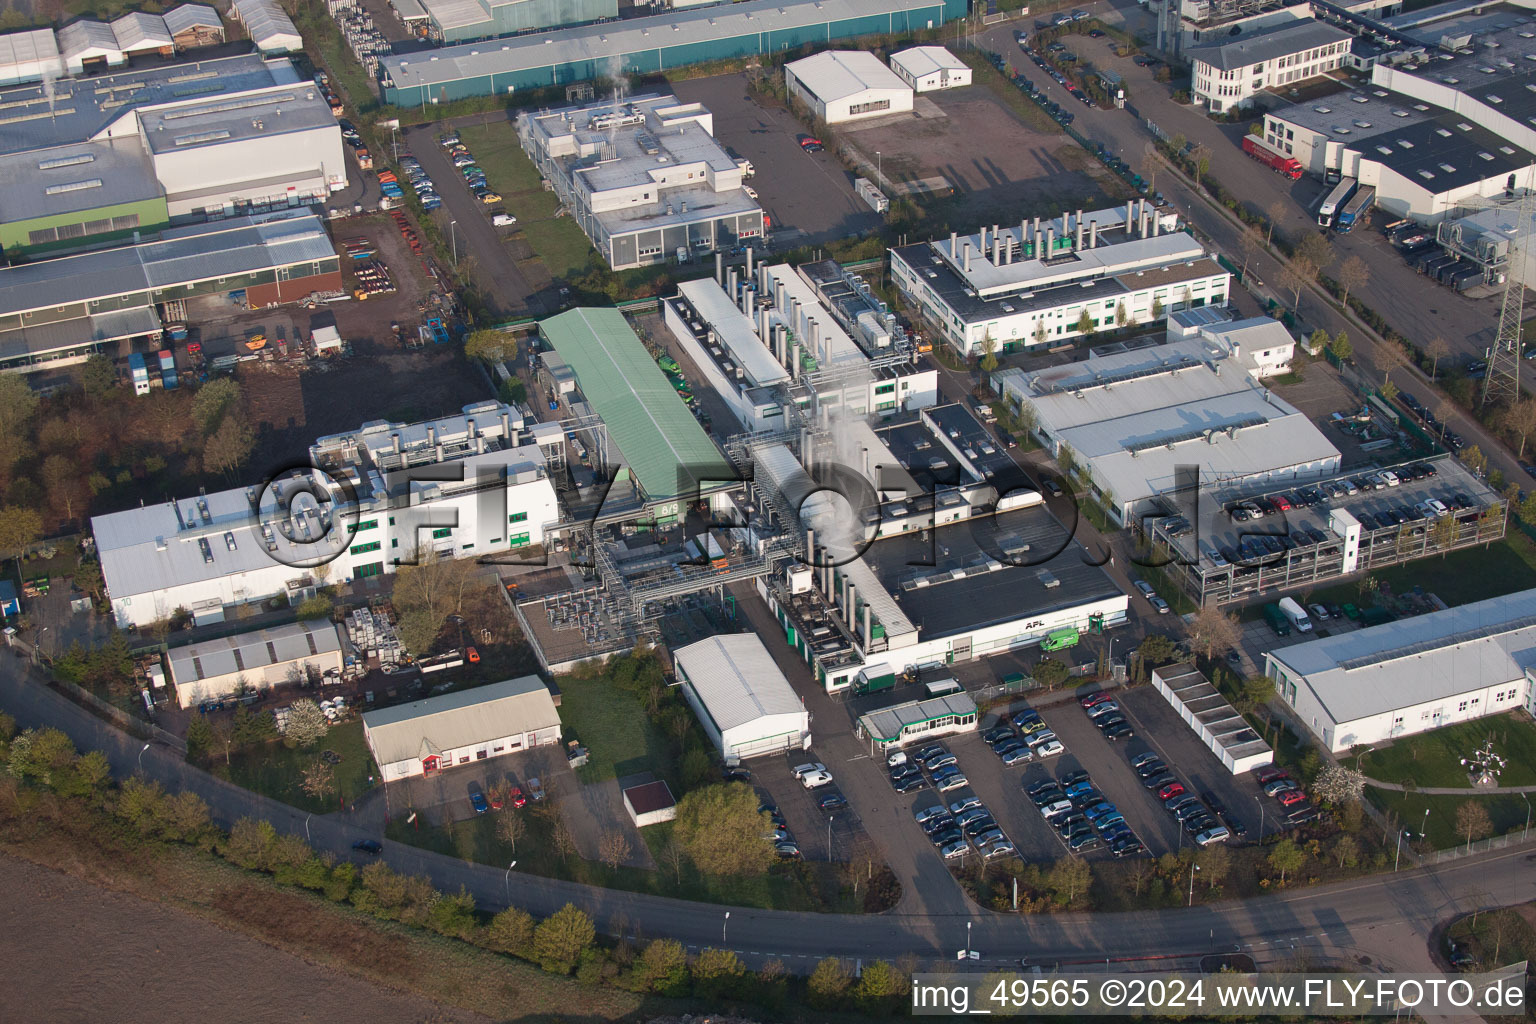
point(664, 446)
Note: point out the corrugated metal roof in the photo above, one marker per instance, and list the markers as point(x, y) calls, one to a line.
point(23, 54)
point(1293, 37)
point(664, 446)
point(737, 679)
point(602, 42)
point(887, 723)
point(86, 38)
point(268, 25)
point(198, 253)
point(179, 19)
point(1417, 660)
point(918, 61)
point(452, 14)
point(251, 652)
point(834, 75)
point(425, 727)
point(137, 30)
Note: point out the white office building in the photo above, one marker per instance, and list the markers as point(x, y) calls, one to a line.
point(1261, 345)
point(1134, 421)
point(1228, 75)
point(646, 179)
point(847, 85)
point(299, 652)
point(1037, 284)
point(457, 487)
point(929, 68)
point(462, 728)
point(743, 701)
point(1413, 675)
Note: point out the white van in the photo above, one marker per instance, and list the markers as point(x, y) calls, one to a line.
point(503, 220)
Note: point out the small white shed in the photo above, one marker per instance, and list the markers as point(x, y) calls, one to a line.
point(326, 339)
point(927, 68)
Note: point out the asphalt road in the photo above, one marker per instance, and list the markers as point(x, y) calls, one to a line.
point(466, 222)
point(1388, 919)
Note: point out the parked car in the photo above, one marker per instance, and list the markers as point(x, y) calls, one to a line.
point(954, 781)
point(1171, 790)
point(1291, 797)
point(955, 850)
point(1118, 730)
point(1279, 786)
point(833, 802)
point(800, 771)
point(478, 802)
point(816, 779)
point(372, 846)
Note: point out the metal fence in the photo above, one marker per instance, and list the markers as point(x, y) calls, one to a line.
point(1514, 838)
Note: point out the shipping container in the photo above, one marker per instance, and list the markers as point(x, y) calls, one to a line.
point(168, 369)
point(139, 373)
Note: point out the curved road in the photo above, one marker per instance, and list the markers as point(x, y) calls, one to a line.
point(1371, 918)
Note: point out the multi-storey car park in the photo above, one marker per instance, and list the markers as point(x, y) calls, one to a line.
point(1040, 283)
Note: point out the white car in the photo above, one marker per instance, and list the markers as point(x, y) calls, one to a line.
point(814, 780)
point(750, 191)
point(955, 850)
point(1038, 739)
point(1050, 749)
point(954, 781)
point(805, 769)
point(503, 220)
point(1391, 478)
point(895, 758)
point(1433, 508)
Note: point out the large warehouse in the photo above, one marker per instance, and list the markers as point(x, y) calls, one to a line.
point(648, 45)
point(742, 699)
point(847, 85)
point(62, 310)
point(299, 652)
point(668, 458)
point(457, 21)
point(1413, 675)
point(115, 156)
point(1030, 285)
point(464, 727)
point(1132, 421)
point(480, 487)
point(646, 179)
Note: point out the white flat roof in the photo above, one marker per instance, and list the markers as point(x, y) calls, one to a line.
point(918, 61)
point(734, 330)
point(452, 14)
point(840, 350)
point(1419, 659)
point(838, 74)
point(247, 652)
point(737, 679)
point(428, 727)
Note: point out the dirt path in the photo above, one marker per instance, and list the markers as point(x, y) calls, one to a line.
point(76, 952)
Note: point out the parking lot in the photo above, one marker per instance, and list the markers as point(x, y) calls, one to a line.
point(808, 196)
point(820, 835)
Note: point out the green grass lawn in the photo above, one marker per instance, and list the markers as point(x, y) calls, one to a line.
point(558, 241)
point(613, 726)
point(1506, 811)
point(1471, 574)
point(1433, 759)
point(788, 886)
point(276, 771)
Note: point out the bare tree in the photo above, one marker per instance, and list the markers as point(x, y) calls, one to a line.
point(1272, 214)
point(1472, 821)
point(1353, 274)
point(1200, 156)
point(319, 779)
point(1435, 350)
point(1519, 422)
point(1213, 630)
point(1293, 280)
point(1250, 245)
point(613, 848)
point(674, 856)
point(509, 826)
point(1391, 357)
point(560, 835)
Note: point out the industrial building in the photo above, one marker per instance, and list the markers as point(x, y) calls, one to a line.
point(1182, 24)
point(646, 179)
point(1413, 675)
point(299, 652)
point(88, 45)
point(457, 21)
point(928, 68)
point(1135, 422)
point(1262, 346)
point(847, 85)
point(918, 720)
point(667, 459)
point(30, 55)
point(463, 727)
point(648, 45)
point(1037, 284)
point(461, 486)
point(140, 34)
point(268, 25)
point(1424, 161)
point(119, 155)
point(1496, 239)
point(193, 26)
point(1229, 74)
point(1212, 718)
point(62, 310)
point(743, 701)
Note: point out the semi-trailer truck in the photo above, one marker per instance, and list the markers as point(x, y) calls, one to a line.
point(1357, 209)
point(1334, 202)
point(1286, 165)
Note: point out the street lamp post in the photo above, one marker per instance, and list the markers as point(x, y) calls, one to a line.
point(723, 925)
point(829, 837)
point(967, 940)
point(1526, 834)
point(880, 168)
point(507, 882)
point(141, 757)
point(453, 228)
point(306, 825)
point(1261, 816)
point(1399, 854)
point(1192, 869)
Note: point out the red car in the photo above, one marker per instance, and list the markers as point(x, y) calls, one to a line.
point(1291, 796)
point(473, 655)
point(515, 797)
point(1281, 502)
point(495, 800)
point(811, 144)
point(1269, 773)
point(1095, 699)
point(1173, 789)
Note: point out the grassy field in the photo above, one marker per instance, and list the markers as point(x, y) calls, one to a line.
point(810, 886)
point(277, 771)
point(1433, 760)
point(1471, 574)
point(613, 726)
point(1506, 811)
point(557, 240)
